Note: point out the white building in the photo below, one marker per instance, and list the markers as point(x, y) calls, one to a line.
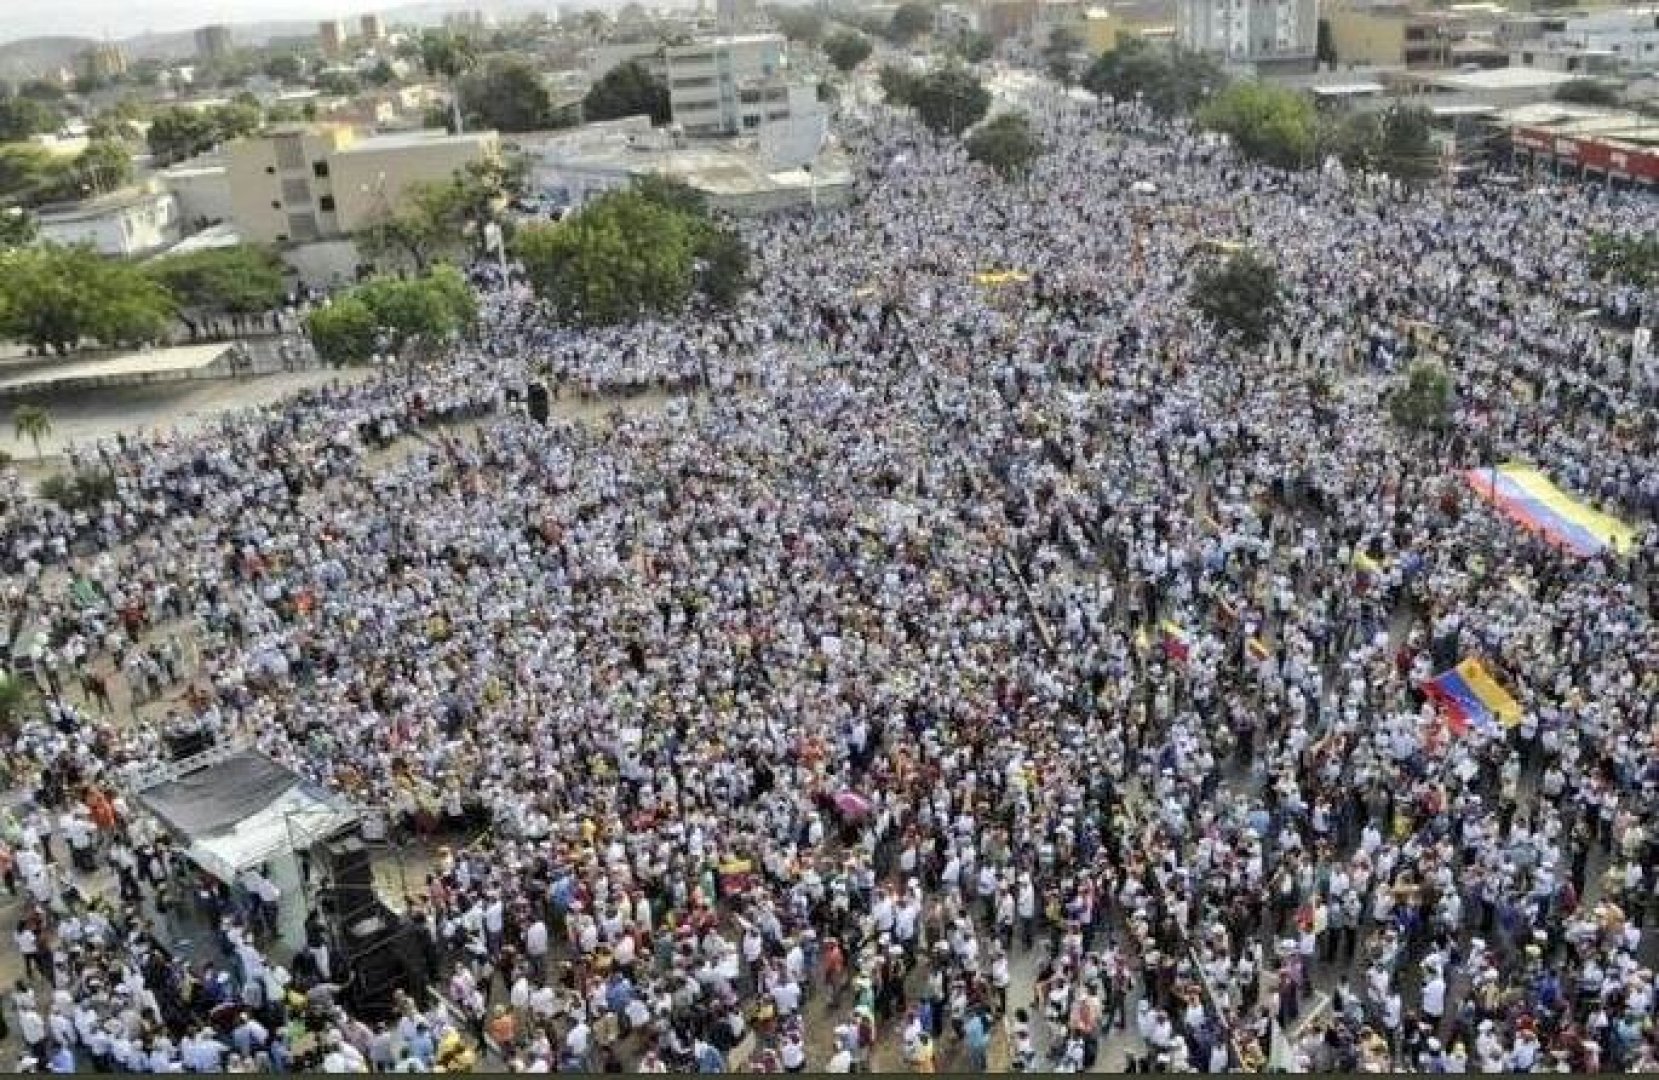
point(124, 224)
point(1249, 31)
point(721, 85)
point(1631, 34)
point(202, 188)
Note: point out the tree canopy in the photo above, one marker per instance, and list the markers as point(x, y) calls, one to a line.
point(949, 99)
point(1269, 124)
point(241, 280)
point(55, 297)
point(801, 24)
point(1006, 144)
point(508, 95)
point(645, 250)
point(1630, 260)
point(31, 175)
point(1422, 399)
point(398, 314)
point(179, 133)
point(910, 20)
point(1587, 92)
point(1395, 141)
point(973, 46)
point(847, 49)
point(629, 89)
point(21, 117)
point(435, 218)
point(1240, 297)
point(1171, 81)
point(1060, 55)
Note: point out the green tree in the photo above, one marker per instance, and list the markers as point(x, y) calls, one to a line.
point(801, 24)
point(622, 256)
point(911, 20)
point(847, 49)
point(241, 280)
point(1395, 141)
point(507, 95)
point(1169, 81)
point(179, 133)
point(448, 57)
point(54, 297)
point(339, 83)
point(629, 89)
point(285, 68)
point(425, 310)
point(1060, 55)
point(31, 422)
point(235, 120)
point(720, 259)
point(29, 174)
point(1269, 124)
point(21, 117)
point(1324, 44)
point(1240, 297)
point(898, 84)
point(1631, 260)
point(343, 331)
point(1422, 400)
point(429, 219)
point(1587, 92)
point(1006, 144)
point(973, 46)
point(104, 166)
point(18, 228)
point(950, 99)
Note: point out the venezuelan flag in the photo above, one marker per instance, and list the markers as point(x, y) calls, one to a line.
point(1529, 498)
point(1177, 646)
point(1365, 564)
point(1257, 649)
point(1470, 697)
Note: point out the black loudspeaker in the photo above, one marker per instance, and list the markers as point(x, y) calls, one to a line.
point(350, 894)
point(538, 403)
point(187, 744)
point(383, 954)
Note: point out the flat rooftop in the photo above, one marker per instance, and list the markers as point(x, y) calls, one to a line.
point(409, 140)
point(42, 373)
point(1507, 78)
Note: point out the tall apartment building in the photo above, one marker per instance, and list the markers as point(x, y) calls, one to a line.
point(331, 37)
point(301, 183)
point(101, 62)
point(1249, 31)
point(212, 42)
point(1631, 34)
point(726, 85)
point(372, 28)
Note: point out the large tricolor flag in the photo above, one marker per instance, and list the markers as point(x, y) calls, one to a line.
point(1529, 498)
point(1468, 697)
point(1177, 646)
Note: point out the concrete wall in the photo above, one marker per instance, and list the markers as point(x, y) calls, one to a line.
point(135, 228)
point(325, 264)
point(369, 179)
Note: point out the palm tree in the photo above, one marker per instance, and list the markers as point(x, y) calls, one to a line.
point(33, 423)
point(449, 56)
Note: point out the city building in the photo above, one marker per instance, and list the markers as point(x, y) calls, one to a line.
point(123, 224)
point(1105, 27)
point(101, 62)
point(1498, 88)
point(331, 37)
point(1631, 34)
point(1615, 146)
point(721, 85)
point(1588, 63)
point(372, 29)
point(570, 167)
point(466, 22)
point(734, 15)
point(1395, 35)
point(1052, 15)
point(202, 188)
point(302, 183)
point(213, 42)
point(1250, 33)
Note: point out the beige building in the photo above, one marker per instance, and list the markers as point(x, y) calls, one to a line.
point(1395, 36)
point(372, 28)
point(331, 37)
point(299, 184)
point(101, 62)
point(1105, 27)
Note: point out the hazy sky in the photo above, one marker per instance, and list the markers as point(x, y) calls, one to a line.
point(123, 18)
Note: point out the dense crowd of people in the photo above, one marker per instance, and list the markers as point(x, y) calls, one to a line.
point(948, 675)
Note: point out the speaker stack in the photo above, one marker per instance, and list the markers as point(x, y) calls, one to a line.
point(377, 946)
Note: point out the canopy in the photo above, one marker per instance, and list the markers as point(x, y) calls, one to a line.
point(235, 812)
point(1529, 498)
